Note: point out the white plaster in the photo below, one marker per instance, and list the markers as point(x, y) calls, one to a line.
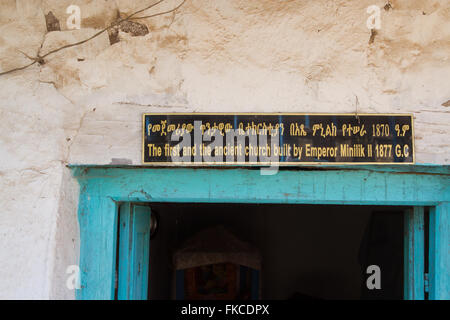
point(84, 105)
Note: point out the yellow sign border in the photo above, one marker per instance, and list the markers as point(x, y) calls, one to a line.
point(281, 164)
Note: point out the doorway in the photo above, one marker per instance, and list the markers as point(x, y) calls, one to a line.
point(104, 191)
point(307, 251)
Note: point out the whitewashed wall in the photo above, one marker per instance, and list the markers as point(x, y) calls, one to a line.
point(84, 105)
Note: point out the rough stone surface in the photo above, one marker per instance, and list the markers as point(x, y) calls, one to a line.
point(84, 105)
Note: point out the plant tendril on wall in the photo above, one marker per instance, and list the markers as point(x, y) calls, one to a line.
point(40, 59)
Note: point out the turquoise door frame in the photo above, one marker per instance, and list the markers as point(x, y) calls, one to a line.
point(134, 251)
point(104, 189)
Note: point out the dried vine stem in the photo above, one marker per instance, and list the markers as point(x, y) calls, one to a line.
point(40, 59)
point(161, 13)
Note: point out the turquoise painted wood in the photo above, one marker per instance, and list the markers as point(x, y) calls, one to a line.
point(414, 254)
point(439, 253)
point(134, 252)
point(325, 186)
point(98, 229)
point(102, 189)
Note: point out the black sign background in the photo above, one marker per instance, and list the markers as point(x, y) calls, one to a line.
point(324, 138)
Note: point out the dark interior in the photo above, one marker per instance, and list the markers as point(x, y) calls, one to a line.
point(308, 251)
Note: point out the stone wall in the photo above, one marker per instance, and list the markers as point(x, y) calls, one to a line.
point(84, 104)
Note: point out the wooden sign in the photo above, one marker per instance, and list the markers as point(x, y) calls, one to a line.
point(289, 139)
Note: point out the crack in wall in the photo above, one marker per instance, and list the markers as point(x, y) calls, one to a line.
point(75, 135)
